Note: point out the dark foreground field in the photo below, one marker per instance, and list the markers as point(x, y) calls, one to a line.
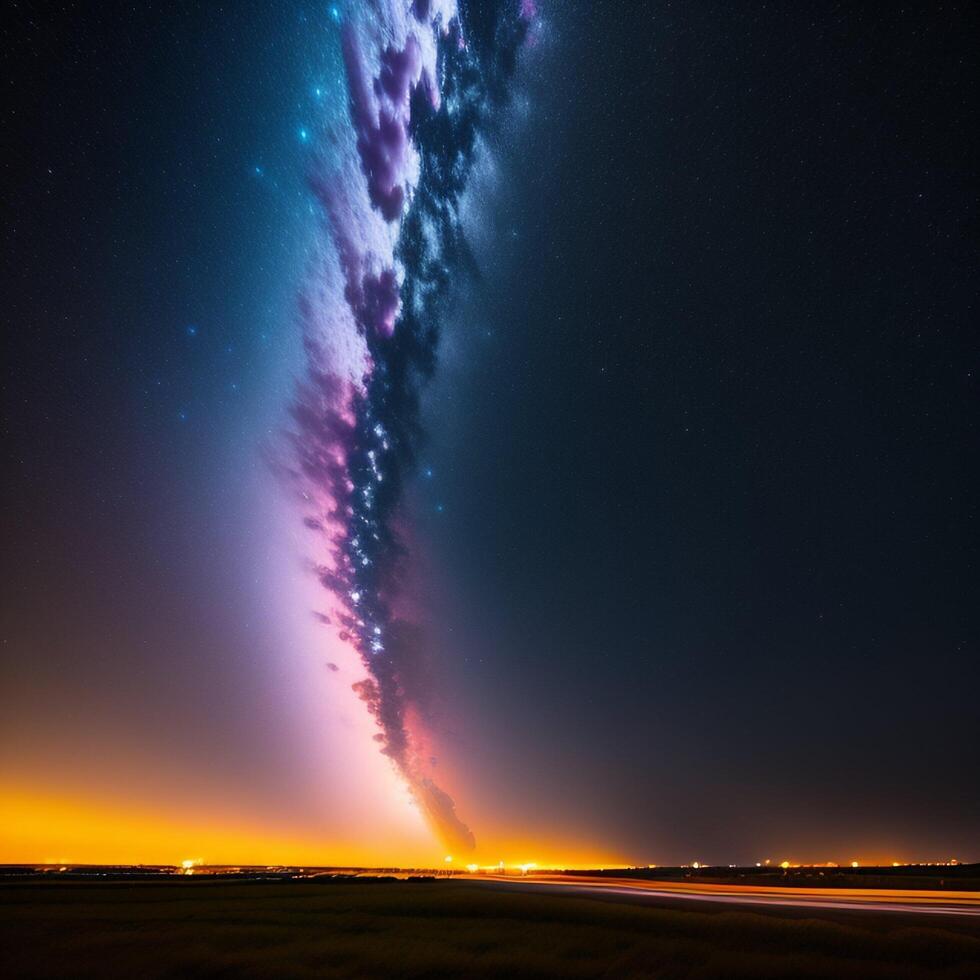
point(441, 929)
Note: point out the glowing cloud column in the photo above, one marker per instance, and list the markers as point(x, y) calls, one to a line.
point(419, 91)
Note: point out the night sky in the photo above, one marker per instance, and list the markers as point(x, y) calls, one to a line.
point(677, 545)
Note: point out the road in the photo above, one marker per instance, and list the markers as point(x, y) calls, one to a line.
point(942, 903)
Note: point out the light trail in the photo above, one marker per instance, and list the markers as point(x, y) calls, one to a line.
point(957, 903)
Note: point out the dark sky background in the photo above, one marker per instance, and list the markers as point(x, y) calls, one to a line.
point(700, 537)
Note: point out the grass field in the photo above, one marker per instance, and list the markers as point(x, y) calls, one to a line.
point(439, 929)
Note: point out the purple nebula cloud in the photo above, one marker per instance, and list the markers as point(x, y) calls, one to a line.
point(370, 316)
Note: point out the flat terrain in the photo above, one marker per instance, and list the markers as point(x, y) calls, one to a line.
point(197, 928)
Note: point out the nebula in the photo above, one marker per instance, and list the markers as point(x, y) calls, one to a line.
point(423, 80)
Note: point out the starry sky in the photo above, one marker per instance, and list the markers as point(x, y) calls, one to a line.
point(686, 524)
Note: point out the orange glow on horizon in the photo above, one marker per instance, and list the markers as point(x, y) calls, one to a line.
point(44, 827)
point(65, 827)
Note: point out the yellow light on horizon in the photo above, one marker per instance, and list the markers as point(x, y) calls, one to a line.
point(854, 864)
point(785, 864)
